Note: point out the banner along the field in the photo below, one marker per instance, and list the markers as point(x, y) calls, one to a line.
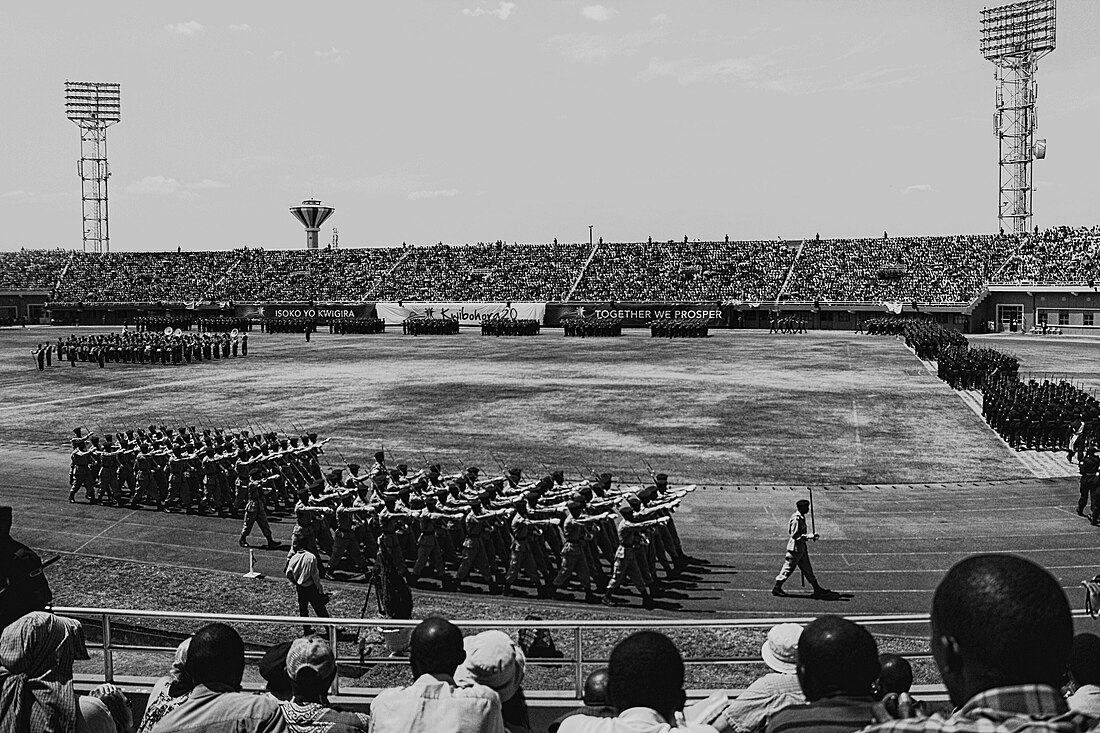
point(634, 314)
point(470, 314)
point(319, 313)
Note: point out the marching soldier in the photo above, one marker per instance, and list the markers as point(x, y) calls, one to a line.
point(255, 512)
point(798, 554)
point(523, 553)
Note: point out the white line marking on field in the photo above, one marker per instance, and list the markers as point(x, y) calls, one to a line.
point(845, 559)
point(105, 531)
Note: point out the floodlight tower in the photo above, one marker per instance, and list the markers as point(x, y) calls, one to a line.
point(93, 106)
point(312, 215)
point(1014, 37)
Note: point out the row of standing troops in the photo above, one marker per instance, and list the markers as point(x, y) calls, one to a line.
point(231, 473)
point(592, 327)
point(787, 324)
point(549, 531)
point(147, 347)
point(679, 328)
point(510, 327)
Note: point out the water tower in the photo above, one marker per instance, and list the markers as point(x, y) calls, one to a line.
point(312, 215)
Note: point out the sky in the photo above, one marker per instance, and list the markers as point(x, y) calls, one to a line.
point(478, 120)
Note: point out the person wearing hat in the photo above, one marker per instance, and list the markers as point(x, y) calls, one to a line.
point(108, 456)
point(494, 660)
point(81, 460)
point(347, 513)
point(379, 467)
point(522, 556)
point(475, 554)
point(798, 554)
point(311, 668)
point(255, 512)
point(431, 520)
point(767, 695)
point(576, 530)
point(627, 555)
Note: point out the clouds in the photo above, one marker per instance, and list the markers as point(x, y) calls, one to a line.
point(165, 187)
point(598, 13)
point(917, 187)
point(240, 28)
point(442, 193)
point(503, 10)
point(186, 29)
point(334, 54)
point(750, 69)
point(600, 48)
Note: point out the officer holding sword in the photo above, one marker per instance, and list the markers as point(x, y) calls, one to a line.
point(798, 554)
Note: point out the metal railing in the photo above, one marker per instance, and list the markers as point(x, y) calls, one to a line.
point(574, 653)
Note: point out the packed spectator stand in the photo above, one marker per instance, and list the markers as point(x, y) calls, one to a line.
point(926, 270)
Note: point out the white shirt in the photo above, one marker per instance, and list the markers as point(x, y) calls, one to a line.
point(433, 704)
point(631, 720)
point(1085, 700)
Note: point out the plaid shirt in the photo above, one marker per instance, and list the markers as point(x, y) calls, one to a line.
point(1000, 710)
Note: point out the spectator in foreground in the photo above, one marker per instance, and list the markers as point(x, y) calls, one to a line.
point(311, 667)
point(433, 703)
point(1084, 673)
point(36, 673)
point(215, 661)
point(595, 700)
point(750, 712)
point(837, 668)
point(170, 691)
point(273, 669)
point(106, 709)
point(304, 572)
point(646, 674)
point(493, 660)
point(23, 585)
point(895, 675)
point(1001, 638)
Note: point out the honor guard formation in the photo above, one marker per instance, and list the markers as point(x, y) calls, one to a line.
point(144, 347)
point(510, 327)
point(589, 327)
point(552, 534)
point(429, 327)
point(671, 328)
point(786, 324)
point(344, 326)
point(289, 325)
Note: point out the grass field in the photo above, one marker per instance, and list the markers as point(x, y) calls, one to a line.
point(741, 407)
point(909, 479)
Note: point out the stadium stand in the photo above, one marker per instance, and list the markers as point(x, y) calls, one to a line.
point(926, 270)
point(696, 271)
point(493, 272)
point(902, 269)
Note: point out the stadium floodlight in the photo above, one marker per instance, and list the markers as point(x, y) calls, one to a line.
point(93, 106)
point(1014, 37)
point(312, 215)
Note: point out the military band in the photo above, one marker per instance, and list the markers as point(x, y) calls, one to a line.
point(144, 347)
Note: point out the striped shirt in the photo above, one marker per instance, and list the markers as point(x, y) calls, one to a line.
point(1001, 710)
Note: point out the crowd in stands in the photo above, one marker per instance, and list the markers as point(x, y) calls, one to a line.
point(1002, 638)
point(491, 273)
point(900, 269)
point(1063, 256)
point(686, 271)
point(942, 269)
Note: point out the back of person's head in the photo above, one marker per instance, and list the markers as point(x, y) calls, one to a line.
point(1084, 659)
point(836, 657)
point(595, 688)
point(310, 667)
point(999, 620)
point(216, 656)
point(646, 670)
point(896, 675)
point(436, 647)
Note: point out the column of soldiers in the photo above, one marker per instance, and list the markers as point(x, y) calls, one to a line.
point(288, 325)
point(159, 323)
point(500, 531)
point(679, 328)
point(231, 473)
point(592, 327)
point(344, 326)
point(510, 327)
point(786, 324)
point(963, 367)
point(1041, 415)
point(429, 327)
point(925, 338)
point(145, 347)
point(224, 323)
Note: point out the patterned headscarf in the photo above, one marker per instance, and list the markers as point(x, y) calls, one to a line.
point(36, 673)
